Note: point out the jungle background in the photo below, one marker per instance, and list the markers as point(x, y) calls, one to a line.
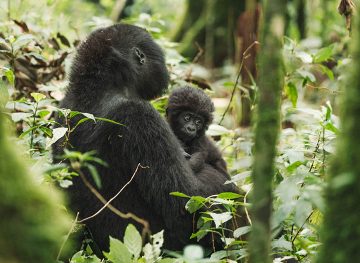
point(280, 74)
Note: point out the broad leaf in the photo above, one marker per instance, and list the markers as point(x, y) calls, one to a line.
point(133, 241)
point(118, 252)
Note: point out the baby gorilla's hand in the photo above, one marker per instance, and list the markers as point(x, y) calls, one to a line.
point(186, 155)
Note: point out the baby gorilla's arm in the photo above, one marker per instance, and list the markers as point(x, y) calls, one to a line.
point(197, 161)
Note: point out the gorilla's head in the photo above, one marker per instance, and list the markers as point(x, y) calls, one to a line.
point(189, 112)
point(123, 58)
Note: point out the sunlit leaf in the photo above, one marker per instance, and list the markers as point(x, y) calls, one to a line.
point(21, 41)
point(19, 116)
point(229, 195)
point(241, 231)
point(118, 252)
point(220, 219)
point(37, 96)
point(323, 54)
point(133, 241)
point(58, 133)
point(179, 194)
point(292, 93)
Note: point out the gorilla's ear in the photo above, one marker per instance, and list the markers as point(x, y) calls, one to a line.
point(139, 55)
point(121, 68)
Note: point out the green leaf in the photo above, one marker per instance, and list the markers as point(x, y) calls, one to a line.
point(73, 114)
point(306, 75)
point(28, 131)
point(58, 133)
point(37, 96)
point(47, 131)
point(229, 195)
point(21, 41)
point(292, 167)
point(95, 175)
point(4, 46)
point(323, 54)
point(193, 205)
point(220, 219)
point(241, 231)
point(133, 241)
point(327, 71)
point(9, 74)
point(4, 94)
point(43, 113)
point(179, 194)
point(292, 93)
point(331, 127)
point(79, 122)
point(88, 115)
point(108, 120)
point(282, 243)
point(303, 209)
point(118, 252)
point(304, 56)
point(20, 116)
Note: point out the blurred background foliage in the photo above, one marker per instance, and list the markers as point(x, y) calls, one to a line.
point(213, 45)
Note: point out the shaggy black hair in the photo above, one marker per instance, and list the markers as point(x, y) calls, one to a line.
point(115, 71)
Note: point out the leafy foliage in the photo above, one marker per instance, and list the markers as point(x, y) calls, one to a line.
point(35, 52)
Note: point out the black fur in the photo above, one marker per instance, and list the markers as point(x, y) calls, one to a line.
point(205, 159)
point(114, 72)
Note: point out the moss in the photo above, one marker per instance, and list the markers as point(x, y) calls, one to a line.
point(267, 128)
point(32, 221)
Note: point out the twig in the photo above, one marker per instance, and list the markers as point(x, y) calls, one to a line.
point(111, 199)
point(195, 60)
point(245, 56)
point(300, 228)
point(67, 236)
point(146, 229)
point(314, 153)
point(246, 211)
point(118, 8)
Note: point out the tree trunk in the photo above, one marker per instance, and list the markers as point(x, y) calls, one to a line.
point(296, 21)
point(248, 35)
point(210, 24)
point(341, 229)
point(267, 127)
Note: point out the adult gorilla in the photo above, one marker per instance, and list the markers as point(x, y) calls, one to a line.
point(115, 71)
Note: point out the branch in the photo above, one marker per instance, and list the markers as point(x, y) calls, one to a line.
point(245, 56)
point(146, 229)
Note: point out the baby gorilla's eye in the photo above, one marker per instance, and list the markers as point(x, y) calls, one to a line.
point(187, 117)
point(198, 122)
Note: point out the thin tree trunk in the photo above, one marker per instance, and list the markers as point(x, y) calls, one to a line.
point(248, 35)
point(341, 229)
point(267, 127)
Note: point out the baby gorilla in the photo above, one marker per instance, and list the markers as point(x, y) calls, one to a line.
point(189, 113)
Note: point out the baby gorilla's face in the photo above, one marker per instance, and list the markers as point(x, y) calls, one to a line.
point(189, 125)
